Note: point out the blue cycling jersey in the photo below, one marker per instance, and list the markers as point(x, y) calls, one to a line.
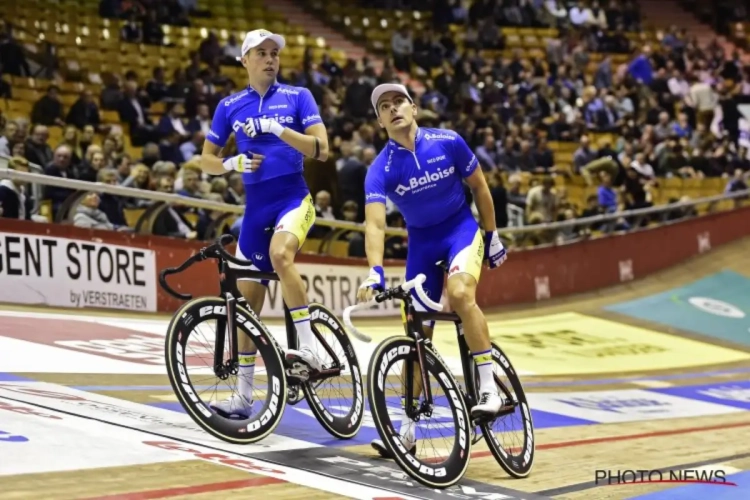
point(425, 184)
point(293, 107)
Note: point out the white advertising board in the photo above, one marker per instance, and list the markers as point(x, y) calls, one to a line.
point(335, 287)
point(62, 272)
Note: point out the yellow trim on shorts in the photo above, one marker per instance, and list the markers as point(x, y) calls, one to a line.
point(476, 256)
point(300, 220)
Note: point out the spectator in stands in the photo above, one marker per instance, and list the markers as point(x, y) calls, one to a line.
point(89, 168)
point(210, 49)
point(151, 154)
point(14, 204)
point(48, 110)
point(231, 51)
point(59, 167)
point(323, 208)
point(499, 197)
point(12, 59)
point(542, 201)
point(190, 184)
point(169, 148)
point(9, 137)
point(190, 148)
point(84, 112)
point(636, 191)
point(606, 194)
point(202, 120)
point(351, 177)
point(515, 196)
point(37, 149)
point(153, 34)
point(235, 194)
point(402, 48)
point(90, 216)
point(131, 31)
point(133, 110)
point(488, 153)
point(170, 221)
point(70, 139)
point(172, 121)
point(641, 68)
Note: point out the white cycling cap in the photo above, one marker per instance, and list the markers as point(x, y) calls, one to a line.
point(256, 37)
point(387, 87)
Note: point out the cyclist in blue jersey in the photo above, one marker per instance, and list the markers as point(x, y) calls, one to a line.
point(275, 127)
point(422, 172)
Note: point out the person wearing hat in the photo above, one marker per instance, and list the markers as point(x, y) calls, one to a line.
point(422, 170)
point(275, 127)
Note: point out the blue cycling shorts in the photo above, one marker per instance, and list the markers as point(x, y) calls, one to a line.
point(457, 241)
point(281, 204)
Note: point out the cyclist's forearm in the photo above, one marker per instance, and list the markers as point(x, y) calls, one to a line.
point(212, 164)
point(374, 244)
point(309, 145)
point(486, 208)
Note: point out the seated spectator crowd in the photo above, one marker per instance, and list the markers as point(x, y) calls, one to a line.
point(620, 130)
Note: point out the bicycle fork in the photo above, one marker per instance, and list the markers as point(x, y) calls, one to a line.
point(413, 412)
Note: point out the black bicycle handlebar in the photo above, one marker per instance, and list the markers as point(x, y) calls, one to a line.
point(213, 251)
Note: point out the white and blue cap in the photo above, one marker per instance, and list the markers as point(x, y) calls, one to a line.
point(378, 92)
point(256, 37)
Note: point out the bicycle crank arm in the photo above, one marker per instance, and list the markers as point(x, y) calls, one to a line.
point(324, 374)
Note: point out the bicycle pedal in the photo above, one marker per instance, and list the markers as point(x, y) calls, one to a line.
point(299, 372)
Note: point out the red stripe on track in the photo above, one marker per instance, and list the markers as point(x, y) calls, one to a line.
point(188, 490)
point(627, 437)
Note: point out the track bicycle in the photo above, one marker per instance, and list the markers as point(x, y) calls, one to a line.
point(216, 358)
point(447, 412)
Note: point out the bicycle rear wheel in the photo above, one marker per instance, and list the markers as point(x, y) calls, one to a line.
point(436, 465)
point(190, 367)
point(337, 401)
point(510, 436)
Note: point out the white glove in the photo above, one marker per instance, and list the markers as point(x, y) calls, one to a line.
point(243, 162)
point(374, 282)
point(494, 249)
point(258, 126)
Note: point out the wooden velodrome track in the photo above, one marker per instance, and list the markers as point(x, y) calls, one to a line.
point(47, 451)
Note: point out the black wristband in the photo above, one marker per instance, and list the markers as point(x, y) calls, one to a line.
point(316, 148)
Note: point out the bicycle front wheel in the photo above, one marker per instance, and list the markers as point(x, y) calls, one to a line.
point(442, 434)
point(189, 354)
point(510, 436)
point(337, 401)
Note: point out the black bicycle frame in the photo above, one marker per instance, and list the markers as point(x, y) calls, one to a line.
point(229, 291)
point(415, 330)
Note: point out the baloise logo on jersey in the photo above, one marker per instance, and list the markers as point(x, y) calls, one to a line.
point(426, 181)
point(282, 119)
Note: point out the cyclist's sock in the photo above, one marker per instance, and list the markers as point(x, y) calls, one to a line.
point(408, 428)
point(245, 374)
point(486, 376)
point(301, 318)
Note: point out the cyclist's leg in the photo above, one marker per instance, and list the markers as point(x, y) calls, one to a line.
point(252, 245)
point(467, 254)
point(292, 226)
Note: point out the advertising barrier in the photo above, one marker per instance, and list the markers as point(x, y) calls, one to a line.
point(527, 276)
point(64, 272)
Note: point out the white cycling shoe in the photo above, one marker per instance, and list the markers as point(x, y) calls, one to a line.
point(409, 444)
point(488, 407)
point(234, 405)
point(302, 361)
